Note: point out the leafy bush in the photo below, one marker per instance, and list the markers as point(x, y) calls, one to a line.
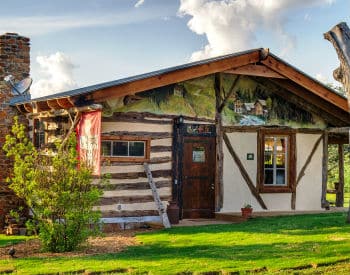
point(57, 188)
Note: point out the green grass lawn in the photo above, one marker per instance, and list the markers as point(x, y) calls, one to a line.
point(272, 245)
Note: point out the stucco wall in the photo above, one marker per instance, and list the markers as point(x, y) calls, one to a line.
point(308, 195)
point(237, 193)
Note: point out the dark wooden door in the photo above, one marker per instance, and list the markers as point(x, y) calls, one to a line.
point(198, 177)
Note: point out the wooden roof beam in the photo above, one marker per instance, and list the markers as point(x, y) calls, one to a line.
point(28, 107)
point(21, 109)
point(42, 106)
point(53, 104)
point(65, 103)
point(306, 82)
point(255, 70)
point(173, 77)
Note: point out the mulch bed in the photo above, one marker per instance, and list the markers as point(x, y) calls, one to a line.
point(109, 243)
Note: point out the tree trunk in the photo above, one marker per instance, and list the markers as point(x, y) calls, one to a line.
point(339, 36)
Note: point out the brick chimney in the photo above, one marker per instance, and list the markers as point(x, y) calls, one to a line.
point(14, 60)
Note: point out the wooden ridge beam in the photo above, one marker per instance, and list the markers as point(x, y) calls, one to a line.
point(255, 70)
point(244, 173)
point(167, 78)
point(311, 85)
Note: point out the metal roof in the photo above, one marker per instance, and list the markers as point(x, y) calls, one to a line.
point(93, 88)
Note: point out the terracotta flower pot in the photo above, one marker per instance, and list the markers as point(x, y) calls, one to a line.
point(247, 212)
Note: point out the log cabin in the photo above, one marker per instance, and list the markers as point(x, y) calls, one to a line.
point(206, 154)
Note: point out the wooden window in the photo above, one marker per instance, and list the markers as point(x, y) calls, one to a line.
point(123, 148)
point(276, 161)
point(39, 137)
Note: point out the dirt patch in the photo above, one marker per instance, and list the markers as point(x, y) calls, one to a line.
point(109, 243)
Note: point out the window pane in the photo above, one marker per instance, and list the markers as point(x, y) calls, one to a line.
point(269, 142)
point(281, 144)
point(106, 148)
point(280, 160)
point(268, 179)
point(120, 148)
point(136, 148)
point(268, 160)
point(281, 176)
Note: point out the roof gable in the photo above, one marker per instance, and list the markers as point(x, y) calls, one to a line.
point(256, 62)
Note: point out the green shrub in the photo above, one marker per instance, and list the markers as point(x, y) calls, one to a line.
point(57, 188)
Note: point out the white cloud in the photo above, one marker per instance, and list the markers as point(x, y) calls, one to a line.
point(56, 71)
point(39, 25)
point(139, 3)
point(231, 25)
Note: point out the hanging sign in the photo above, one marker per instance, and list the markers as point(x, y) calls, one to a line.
point(89, 140)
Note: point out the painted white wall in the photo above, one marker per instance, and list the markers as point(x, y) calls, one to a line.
point(309, 189)
point(236, 192)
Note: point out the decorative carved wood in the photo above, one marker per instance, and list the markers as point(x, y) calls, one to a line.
point(339, 36)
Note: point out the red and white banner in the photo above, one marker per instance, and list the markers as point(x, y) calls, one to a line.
point(89, 140)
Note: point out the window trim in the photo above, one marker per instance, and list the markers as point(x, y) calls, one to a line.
point(146, 158)
point(291, 161)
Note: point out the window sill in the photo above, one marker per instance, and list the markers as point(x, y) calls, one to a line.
point(124, 159)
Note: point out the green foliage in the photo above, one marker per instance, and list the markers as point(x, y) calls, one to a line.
point(333, 172)
point(60, 195)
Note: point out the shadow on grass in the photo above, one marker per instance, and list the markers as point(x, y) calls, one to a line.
point(10, 240)
point(287, 225)
point(302, 251)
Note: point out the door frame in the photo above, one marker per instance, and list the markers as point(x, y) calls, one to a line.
point(180, 131)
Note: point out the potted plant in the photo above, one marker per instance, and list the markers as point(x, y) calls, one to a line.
point(247, 211)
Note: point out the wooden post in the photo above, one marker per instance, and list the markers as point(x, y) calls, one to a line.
point(219, 186)
point(339, 202)
point(324, 202)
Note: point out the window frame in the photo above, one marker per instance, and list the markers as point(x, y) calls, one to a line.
point(145, 158)
point(291, 161)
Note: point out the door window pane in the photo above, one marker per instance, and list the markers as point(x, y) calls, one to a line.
point(198, 154)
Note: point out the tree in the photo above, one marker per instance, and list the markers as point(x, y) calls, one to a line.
point(339, 36)
point(56, 187)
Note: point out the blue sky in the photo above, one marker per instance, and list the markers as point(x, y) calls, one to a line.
point(78, 43)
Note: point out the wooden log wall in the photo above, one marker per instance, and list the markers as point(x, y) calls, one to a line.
point(128, 193)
